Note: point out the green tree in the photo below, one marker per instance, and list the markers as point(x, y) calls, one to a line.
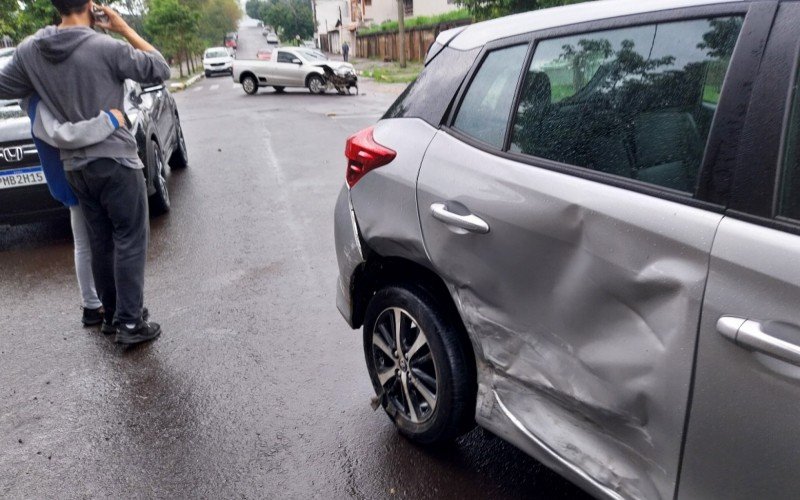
point(253, 8)
point(218, 17)
point(174, 27)
point(34, 15)
point(9, 10)
point(489, 9)
point(290, 18)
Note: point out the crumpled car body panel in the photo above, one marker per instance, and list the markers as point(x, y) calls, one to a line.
point(582, 304)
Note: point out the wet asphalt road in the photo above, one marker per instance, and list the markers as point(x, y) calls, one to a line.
point(257, 388)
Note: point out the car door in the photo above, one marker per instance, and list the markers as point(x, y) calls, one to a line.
point(576, 240)
point(286, 70)
point(743, 438)
point(296, 71)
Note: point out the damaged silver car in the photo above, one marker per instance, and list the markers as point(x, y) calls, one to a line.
point(580, 228)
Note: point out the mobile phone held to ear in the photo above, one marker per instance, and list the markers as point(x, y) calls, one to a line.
point(99, 16)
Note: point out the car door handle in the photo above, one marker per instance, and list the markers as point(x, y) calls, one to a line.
point(750, 335)
point(471, 223)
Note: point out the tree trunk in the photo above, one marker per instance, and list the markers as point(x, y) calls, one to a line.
point(401, 36)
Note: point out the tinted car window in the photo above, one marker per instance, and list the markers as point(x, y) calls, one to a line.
point(789, 202)
point(486, 106)
point(635, 102)
point(285, 57)
point(429, 97)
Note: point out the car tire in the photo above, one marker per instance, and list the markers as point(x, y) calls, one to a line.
point(279, 89)
point(316, 84)
point(180, 156)
point(159, 202)
point(435, 373)
point(250, 85)
point(208, 74)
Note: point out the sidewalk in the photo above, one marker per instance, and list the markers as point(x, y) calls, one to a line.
point(176, 83)
point(383, 71)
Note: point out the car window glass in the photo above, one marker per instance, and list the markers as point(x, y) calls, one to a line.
point(285, 57)
point(486, 106)
point(429, 96)
point(635, 102)
point(789, 201)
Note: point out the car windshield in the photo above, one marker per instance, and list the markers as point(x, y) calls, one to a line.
point(216, 53)
point(312, 55)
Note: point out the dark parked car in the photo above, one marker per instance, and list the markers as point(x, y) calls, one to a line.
point(24, 196)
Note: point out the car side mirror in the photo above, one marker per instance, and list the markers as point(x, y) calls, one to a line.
point(297, 61)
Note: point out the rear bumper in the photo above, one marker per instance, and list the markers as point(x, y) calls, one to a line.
point(348, 252)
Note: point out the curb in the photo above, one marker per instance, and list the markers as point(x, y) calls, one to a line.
point(191, 81)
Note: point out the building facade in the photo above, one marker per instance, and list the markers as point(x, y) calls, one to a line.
point(338, 20)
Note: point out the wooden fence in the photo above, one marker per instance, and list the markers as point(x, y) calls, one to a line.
point(384, 46)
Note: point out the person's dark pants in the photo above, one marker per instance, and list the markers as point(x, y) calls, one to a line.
point(346, 55)
point(114, 203)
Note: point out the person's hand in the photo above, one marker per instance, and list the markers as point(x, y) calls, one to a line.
point(119, 116)
point(115, 22)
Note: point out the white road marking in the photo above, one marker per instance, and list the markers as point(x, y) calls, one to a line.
point(214, 87)
point(235, 86)
point(198, 89)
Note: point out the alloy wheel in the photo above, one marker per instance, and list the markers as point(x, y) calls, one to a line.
point(405, 367)
point(249, 85)
point(316, 85)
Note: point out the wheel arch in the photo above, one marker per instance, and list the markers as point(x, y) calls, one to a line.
point(247, 73)
point(379, 271)
point(313, 74)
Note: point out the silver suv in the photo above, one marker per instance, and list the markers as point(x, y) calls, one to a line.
point(580, 228)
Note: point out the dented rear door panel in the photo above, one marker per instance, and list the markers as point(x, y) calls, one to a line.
point(582, 303)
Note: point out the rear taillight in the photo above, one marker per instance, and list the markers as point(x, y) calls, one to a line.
point(364, 154)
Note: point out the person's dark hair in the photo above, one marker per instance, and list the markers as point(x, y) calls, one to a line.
point(69, 7)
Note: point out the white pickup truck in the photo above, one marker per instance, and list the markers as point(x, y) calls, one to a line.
point(294, 67)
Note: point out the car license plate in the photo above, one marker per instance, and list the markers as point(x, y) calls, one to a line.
point(27, 176)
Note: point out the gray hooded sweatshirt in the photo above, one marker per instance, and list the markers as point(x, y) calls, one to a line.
point(78, 72)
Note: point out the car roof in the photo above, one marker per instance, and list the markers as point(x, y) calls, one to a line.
point(478, 35)
point(217, 48)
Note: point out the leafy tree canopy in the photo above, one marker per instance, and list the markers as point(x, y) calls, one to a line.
point(290, 18)
point(489, 9)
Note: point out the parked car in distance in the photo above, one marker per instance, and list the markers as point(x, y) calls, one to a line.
point(231, 40)
point(217, 60)
point(290, 67)
point(272, 39)
point(24, 196)
point(568, 231)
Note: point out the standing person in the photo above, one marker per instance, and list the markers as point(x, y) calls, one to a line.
point(76, 72)
point(49, 136)
point(346, 51)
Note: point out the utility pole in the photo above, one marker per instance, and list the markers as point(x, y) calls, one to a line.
point(401, 26)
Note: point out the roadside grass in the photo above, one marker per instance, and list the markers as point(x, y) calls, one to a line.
point(392, 72)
